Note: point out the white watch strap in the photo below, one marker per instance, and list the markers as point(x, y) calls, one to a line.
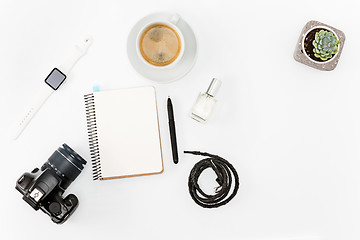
point(79, 51)
point(30, 111)
point(45, 91)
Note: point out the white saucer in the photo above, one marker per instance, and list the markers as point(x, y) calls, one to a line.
point(167, 74)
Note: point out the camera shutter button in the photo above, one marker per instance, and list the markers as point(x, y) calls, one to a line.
point(55, 208)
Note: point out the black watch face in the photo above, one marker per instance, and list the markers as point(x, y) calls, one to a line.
point(55, 79)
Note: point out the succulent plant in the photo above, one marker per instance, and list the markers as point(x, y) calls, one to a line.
point(325, 45)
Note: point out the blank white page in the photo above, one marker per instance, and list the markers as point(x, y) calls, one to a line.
point(128, 132)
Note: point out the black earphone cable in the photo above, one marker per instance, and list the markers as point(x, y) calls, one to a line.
point(224, 172)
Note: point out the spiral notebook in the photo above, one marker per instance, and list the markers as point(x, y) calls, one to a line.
point(123, 131)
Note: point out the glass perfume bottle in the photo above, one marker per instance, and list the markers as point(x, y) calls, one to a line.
point(205, 102)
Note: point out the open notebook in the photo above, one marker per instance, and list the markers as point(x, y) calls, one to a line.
point(124, 135)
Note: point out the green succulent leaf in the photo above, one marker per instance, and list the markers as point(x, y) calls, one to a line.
point(325, 45)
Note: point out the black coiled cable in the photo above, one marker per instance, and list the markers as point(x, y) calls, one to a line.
point(224, 171)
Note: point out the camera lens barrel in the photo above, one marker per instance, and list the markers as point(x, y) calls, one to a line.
point(66, 163)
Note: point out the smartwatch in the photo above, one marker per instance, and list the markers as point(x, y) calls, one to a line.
point(52, 83)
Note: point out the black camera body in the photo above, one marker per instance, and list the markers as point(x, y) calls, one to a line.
point(43, 188)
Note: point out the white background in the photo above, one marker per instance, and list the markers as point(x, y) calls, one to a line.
point(292, 132)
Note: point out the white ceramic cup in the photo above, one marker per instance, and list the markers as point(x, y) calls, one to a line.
point(171, 22)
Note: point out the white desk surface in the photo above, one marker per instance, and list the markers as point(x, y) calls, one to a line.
point(292, 132)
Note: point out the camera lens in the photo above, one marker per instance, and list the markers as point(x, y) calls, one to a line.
point(66, 163)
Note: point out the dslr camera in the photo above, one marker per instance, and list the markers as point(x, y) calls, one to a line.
point(43, 188)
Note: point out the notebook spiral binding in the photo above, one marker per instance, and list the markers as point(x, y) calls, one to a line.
point(92, 133)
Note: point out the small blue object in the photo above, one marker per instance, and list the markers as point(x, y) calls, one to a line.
point(96, 88)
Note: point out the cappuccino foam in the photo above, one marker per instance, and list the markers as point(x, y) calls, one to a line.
point(160, 45)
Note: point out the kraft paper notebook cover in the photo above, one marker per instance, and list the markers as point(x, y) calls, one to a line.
point(124, 135)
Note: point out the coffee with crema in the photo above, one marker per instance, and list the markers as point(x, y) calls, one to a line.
point(160, 45)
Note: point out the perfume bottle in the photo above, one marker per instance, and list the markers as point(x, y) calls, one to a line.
point(205, 102)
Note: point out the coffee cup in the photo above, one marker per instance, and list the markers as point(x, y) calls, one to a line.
point(160, 44)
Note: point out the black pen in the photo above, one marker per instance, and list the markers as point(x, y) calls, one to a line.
point(172, 131)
